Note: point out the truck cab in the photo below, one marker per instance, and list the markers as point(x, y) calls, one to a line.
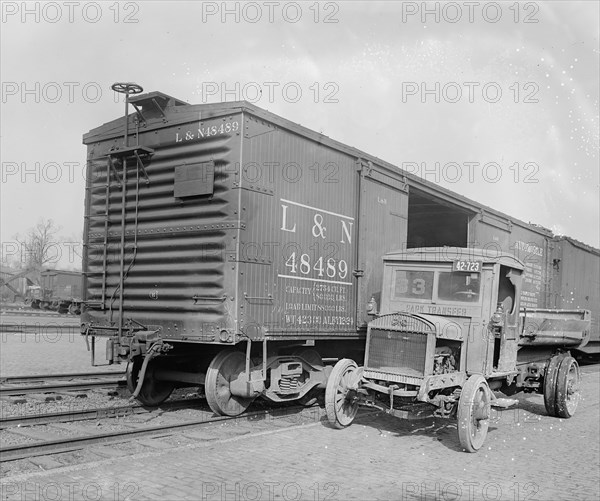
point(449, 332)
point(469, 298)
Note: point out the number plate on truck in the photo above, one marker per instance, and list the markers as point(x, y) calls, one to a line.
point(467, 266)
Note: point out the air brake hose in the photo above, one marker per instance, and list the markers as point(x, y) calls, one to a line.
point(150, 354)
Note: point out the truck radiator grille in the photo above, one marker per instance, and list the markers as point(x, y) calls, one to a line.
point(397, 352)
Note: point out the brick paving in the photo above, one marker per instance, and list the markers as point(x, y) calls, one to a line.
point(527, 456)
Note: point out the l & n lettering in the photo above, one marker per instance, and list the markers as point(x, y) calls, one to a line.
point(318, 229)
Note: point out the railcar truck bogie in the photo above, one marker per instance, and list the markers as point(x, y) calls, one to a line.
point(449, 333)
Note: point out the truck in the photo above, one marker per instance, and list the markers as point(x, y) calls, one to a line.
point(450, 332)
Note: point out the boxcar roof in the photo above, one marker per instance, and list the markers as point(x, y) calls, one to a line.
point(179, 112)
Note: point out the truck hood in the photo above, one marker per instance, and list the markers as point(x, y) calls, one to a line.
point(455, 328)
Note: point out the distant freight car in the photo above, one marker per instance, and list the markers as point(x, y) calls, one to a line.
point(225, 246)
point(59, 290)
point(576, 284)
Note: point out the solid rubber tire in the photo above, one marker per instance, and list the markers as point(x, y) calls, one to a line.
point(470, 439)
point(567, 390)
point(550, 379)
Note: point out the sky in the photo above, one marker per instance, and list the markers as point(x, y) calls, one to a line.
point(495, 101)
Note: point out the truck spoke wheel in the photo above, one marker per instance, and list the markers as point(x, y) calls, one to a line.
point(568, 383)
point(153, 392)
point(340, 402)
point(225, 367)
point(550, 384)
point(474, 407)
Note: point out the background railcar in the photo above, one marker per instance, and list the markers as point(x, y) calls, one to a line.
point(219, 226)
point(58, 290)
point(576, 283)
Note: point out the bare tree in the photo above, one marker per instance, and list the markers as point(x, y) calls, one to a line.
point(40, 244)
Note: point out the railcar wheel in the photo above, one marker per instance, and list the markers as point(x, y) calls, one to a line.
point(474, 407)
point(550, 385)
point(225, 367)
point(340, 402)
point(568, 383)
point(313, 358)
point(153, 392)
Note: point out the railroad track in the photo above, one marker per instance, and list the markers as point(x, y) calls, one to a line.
point(35, 313)
point(89, 414)
point(52, 383)
point(71, 443)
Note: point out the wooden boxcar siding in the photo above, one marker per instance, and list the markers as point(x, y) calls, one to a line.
point(576, 281)
point(182, 242)
point(528, 243)
point(300, 203)
point(532, 246)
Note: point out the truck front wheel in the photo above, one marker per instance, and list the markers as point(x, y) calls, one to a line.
point(474, 408)
point(340, 402)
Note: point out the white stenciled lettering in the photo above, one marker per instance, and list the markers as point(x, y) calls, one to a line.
point(208, 131)
point(324, 260)
point(318, 229)
point(284, 219)
point(347, 231)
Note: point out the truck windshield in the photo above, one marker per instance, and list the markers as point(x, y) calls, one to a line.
point(457, 286)
point(413, 284)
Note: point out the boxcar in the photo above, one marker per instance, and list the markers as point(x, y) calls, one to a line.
point(225, 246)
point(58, 290)
point(576, 283)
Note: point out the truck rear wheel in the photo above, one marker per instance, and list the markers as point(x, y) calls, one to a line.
point(225, 367)
point(340, 404)
point(550, 384)
point(474, 408)
point(568, 383)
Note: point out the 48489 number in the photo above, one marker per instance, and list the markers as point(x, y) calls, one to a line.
point(324, 268)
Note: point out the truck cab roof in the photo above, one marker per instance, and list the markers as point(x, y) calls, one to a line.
point(451, 254)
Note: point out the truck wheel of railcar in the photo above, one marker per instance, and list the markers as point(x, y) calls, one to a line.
point(550, 379)
point(224, 368)
point(474, 407)
point(313, 358)
point(568, 384)
point(340, 402)
point(153, 392)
